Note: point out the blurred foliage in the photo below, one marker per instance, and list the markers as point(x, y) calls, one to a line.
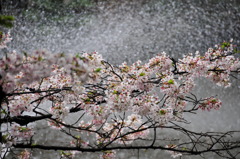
point(49, 5)
point(48, 10)
point(55, 5)
point(56, 11)
point(6, 21)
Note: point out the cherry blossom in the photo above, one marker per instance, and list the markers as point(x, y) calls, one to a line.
point(24, 155)
point(108, 155)
point(210, 103)
point(21, 133)
point(173, 154)
point(114, 105)
point(5, 38)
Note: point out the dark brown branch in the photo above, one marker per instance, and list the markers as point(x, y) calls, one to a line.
point(26, 119)
point(97, 149)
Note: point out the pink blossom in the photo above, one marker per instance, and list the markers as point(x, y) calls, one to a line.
point(21, 132)
point(210, 103)
point(108, 154)
point(24, 155)
point(174, 154)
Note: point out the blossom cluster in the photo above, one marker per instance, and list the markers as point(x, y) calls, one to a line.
point(59, 110)
point(173, 153)
point(210, 103)
point(108, 154)
point(38, 73)
point(21, 133)
point(4, 39)
point(18, 71)
point(24, 155)
point(118, 129)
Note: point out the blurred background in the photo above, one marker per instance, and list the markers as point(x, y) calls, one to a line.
point(130, 30)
